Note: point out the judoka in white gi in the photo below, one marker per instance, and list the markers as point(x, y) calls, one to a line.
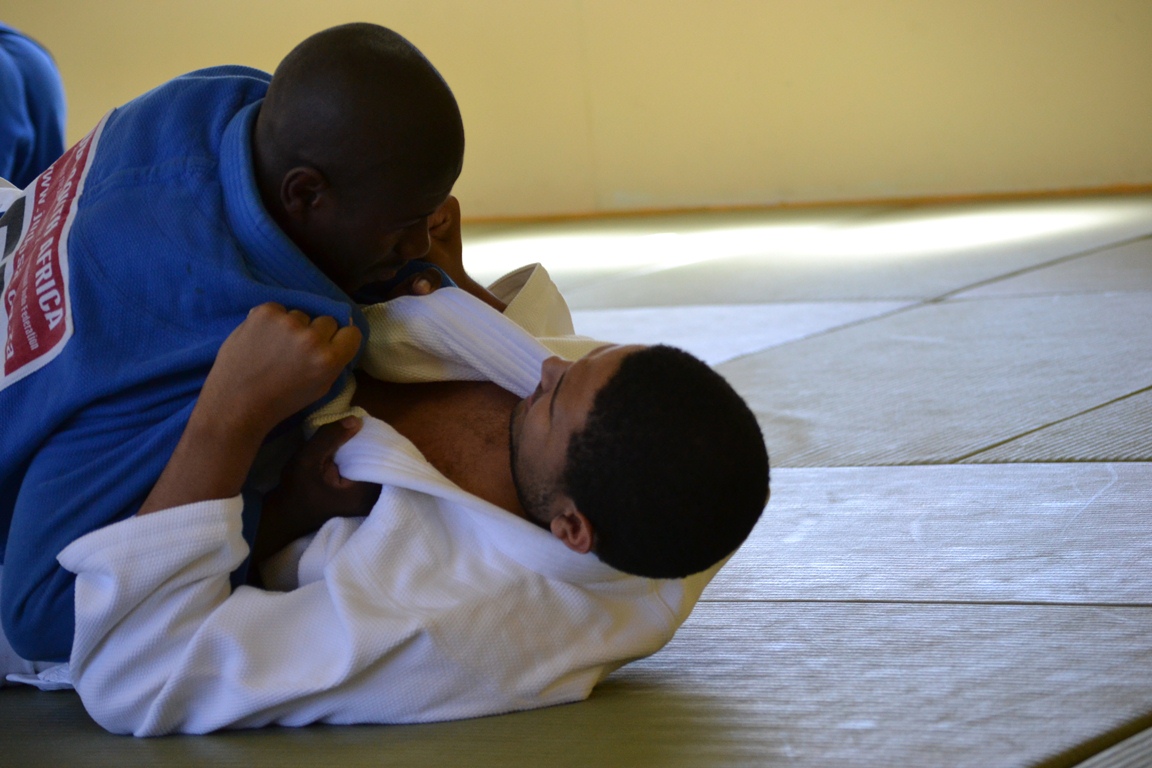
point(439, 604)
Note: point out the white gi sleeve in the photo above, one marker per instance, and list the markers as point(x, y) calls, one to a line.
point(409, 622)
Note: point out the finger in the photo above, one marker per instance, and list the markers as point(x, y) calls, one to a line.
point(351, 425)
point(323, 446)
point(299, 317)
point(325, 326)
point(328, 438)
point(400, 289)
point(346, 343)
point(426, 282)
point(269, 307)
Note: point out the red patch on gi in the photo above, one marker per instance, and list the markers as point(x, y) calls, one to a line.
point(36, 312)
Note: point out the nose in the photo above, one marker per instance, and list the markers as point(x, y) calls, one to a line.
point(551, 370)
point(414, 241)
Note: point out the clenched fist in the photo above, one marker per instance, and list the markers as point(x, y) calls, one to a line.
point(277, 362)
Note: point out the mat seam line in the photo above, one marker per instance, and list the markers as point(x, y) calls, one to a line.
point(1052, 424)
point(942, 298)
point(1044, 265)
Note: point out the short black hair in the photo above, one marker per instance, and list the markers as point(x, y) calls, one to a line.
point(671, 467)
point(359, 101)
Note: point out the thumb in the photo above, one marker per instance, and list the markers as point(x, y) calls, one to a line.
point(327, 440)
point(322, 448)
point(346, 343)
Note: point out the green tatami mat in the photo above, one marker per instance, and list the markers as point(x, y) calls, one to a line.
point(940, 382)
point(1019, 533)
point(754, 684)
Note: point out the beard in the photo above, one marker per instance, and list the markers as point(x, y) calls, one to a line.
point(535, 498)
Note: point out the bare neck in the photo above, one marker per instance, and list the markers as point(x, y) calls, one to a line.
point(461, 427)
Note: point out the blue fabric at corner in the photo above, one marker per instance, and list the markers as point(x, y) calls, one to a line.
point(169, 249)
point(31, 108)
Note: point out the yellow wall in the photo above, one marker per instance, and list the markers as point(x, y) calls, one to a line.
point(575, 106)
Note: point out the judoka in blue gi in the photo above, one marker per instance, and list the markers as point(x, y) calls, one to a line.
point(129, 261)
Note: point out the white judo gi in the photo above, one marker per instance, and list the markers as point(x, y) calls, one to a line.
point(436, 606)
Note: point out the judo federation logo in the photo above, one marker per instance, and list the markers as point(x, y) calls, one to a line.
point(36, 311)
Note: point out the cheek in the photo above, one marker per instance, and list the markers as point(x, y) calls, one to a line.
point(387, 241)
point(534, 435)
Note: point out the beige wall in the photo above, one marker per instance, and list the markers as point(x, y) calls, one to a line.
point(576, 106)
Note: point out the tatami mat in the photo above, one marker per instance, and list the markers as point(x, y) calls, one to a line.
point(980, 606)
point(910, 685)
point(943, 381)
point(747, 328)
point(1133, 752)
point(1019, 533)
point(1123, 268)
point(1119, 431)
point(585, 252)
point(750, 684)
point(893, 254)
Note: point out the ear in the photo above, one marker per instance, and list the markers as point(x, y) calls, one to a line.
point(573, 528)
point(302, 189)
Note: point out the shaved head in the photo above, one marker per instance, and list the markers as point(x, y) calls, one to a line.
point(356, 122)
point(358, 100)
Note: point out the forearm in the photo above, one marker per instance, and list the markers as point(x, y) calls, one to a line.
point(144, 588)
point(211, 461)
point(274, 364)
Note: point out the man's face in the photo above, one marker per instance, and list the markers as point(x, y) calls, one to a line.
point(543, 423)
point(365, 233)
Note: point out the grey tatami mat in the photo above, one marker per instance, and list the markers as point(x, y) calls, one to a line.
point(939, 382)
point(846, 684)
point(1120, 431)
point(1123, 268)
point(1019, 533)
point(874, 258)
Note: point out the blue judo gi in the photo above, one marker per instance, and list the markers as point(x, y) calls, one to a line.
point(31, 108)
point(127, 264)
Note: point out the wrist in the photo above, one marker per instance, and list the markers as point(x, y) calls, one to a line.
point(234, 427)
point(212, 440)
point(210, 461)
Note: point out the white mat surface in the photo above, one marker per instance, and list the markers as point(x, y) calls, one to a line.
point(720, 333)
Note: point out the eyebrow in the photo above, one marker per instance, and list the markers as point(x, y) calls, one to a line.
point(555, 393)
